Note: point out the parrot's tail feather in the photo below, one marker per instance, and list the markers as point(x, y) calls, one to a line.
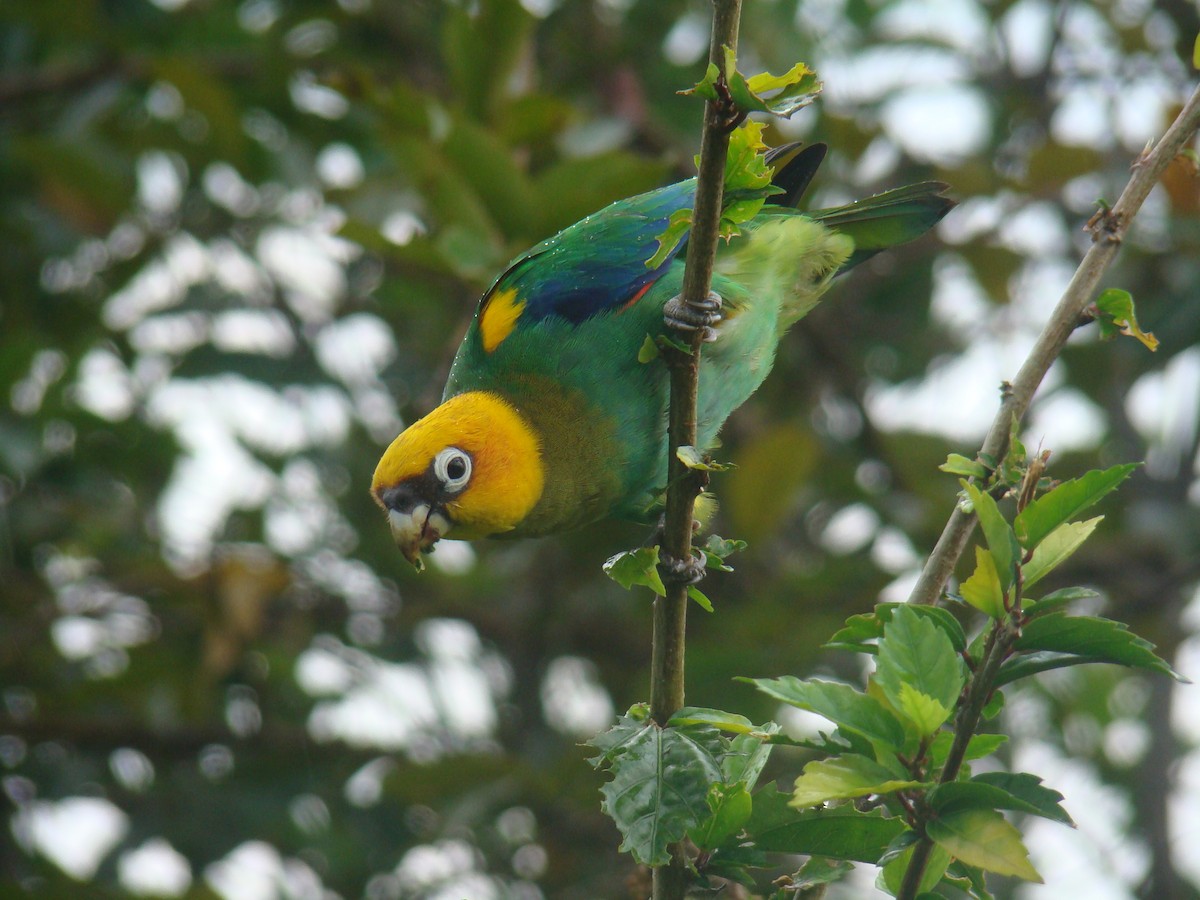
point(887, 219)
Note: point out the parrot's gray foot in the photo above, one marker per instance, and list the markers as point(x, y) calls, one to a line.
point(681, 571)
point(701, 316)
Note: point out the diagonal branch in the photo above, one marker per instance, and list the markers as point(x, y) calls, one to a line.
point(1108, 230)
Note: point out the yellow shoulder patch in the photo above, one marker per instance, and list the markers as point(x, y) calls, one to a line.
point(499, 317)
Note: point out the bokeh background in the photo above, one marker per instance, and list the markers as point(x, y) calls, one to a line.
point(239, 242)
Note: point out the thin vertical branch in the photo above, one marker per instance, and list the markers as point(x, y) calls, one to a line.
point(670, 612)
point(1108, 230)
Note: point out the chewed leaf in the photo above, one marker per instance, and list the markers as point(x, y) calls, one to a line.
point(636, 567)
point(792, 91)
point(1117, 316)
point(677, 228)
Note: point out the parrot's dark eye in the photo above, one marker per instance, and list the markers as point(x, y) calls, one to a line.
point(452, 467)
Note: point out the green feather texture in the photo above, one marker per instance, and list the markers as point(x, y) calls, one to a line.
point(569, 361)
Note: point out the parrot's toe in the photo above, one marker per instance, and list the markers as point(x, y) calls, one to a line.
point(700, 316)
point(681, 571)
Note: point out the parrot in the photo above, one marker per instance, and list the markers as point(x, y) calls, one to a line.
point(550, 418)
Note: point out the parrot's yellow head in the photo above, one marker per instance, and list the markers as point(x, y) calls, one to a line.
point(472, 467)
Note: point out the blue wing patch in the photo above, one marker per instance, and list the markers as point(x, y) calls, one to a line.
point(597, 264)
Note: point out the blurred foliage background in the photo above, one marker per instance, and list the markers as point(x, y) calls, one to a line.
point(239, 242)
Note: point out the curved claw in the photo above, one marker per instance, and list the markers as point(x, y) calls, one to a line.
point(700, 316)
point(681, 571)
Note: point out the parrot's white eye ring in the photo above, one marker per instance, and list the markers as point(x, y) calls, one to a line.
point(452, 467)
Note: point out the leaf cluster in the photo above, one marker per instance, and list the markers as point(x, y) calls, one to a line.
point(891, 782)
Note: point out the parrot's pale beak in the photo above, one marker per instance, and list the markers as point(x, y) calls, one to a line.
point(417, 530)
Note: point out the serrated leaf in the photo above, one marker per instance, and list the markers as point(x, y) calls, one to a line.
point(914, 654)
point(1118, 316)
point(846, 707)
point(957, 796)
point(1056, 547)
point(984, 838)
point(1029, 789)
point(957, 464)
point(1090, 639)
point(790, 92)
point(1049, 511)
point(659, 787)
point(838, 833)
point(844, 777)
point(636, 568)
point(729, 807)
point(926, 713)
point(982, 590)
point(1001, 541)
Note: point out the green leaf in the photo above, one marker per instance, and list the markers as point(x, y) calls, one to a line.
point(720, 548)
point(935, 868)
point(866, 627)
point(636, 567)
point(1065, 502)
point(1001, 541)
point(661, 778)
point(1118, 316)
point(957, 796)
point(648, 351)
point(1060, 598)
point(1030, 790)
point(694, 459)
point(718, 718)
point(792, 91)
point(818, 871)
point(839, 833)
point(957, 464)
point(983, 838)
point(748, 754)
point(979, 746)
point(848, 708)
point(1196, 53)
point(926, 713)
point(729, 806)
point(677, 228)
point(1056, 547)
point(916, 655)
point(699, 598)
point(844, 777)
point(706, 88)
point(982, 590)
point(1090, 639)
